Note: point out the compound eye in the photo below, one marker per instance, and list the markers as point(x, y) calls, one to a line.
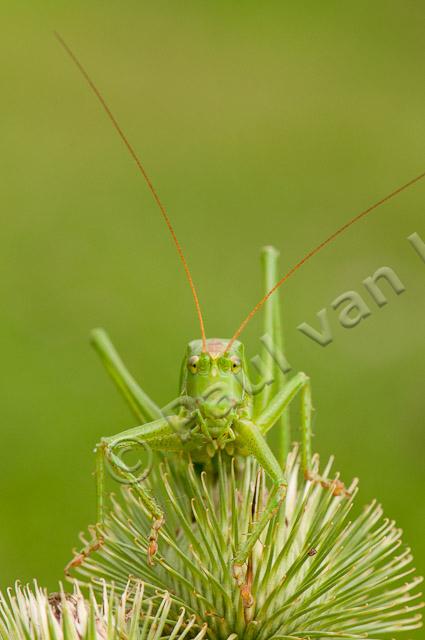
point(192, 364)
point(235, 364)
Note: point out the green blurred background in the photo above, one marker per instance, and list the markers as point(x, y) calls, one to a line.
point(259, 123)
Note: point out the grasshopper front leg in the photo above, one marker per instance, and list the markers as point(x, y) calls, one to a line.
point(258, 447)
point(161, 434)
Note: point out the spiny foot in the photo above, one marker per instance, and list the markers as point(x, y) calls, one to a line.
point(247, 597)
point(79, 558)
point(153, 539)
point(238, 572)
point(337, 486)
point(244, 587)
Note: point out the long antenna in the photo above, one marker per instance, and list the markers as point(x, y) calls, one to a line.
point(313, 252)
point(145, 176)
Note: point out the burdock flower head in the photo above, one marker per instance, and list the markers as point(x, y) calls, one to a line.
point(320, 569)
point(31, 614)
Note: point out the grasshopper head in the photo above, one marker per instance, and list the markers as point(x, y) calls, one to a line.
point(215, 378)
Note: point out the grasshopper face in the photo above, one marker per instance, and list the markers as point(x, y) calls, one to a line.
point(214, 378)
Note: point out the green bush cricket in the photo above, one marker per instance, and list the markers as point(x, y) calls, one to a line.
point(217, 408)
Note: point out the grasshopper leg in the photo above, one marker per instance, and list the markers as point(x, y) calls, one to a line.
point(80, 557)
point(260, 450)
point(142, 405)
point(160, 435)
point(109, 451)
point(299, 384)
point(272, 330)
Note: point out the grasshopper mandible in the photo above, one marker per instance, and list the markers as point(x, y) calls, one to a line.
point(216, 409)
